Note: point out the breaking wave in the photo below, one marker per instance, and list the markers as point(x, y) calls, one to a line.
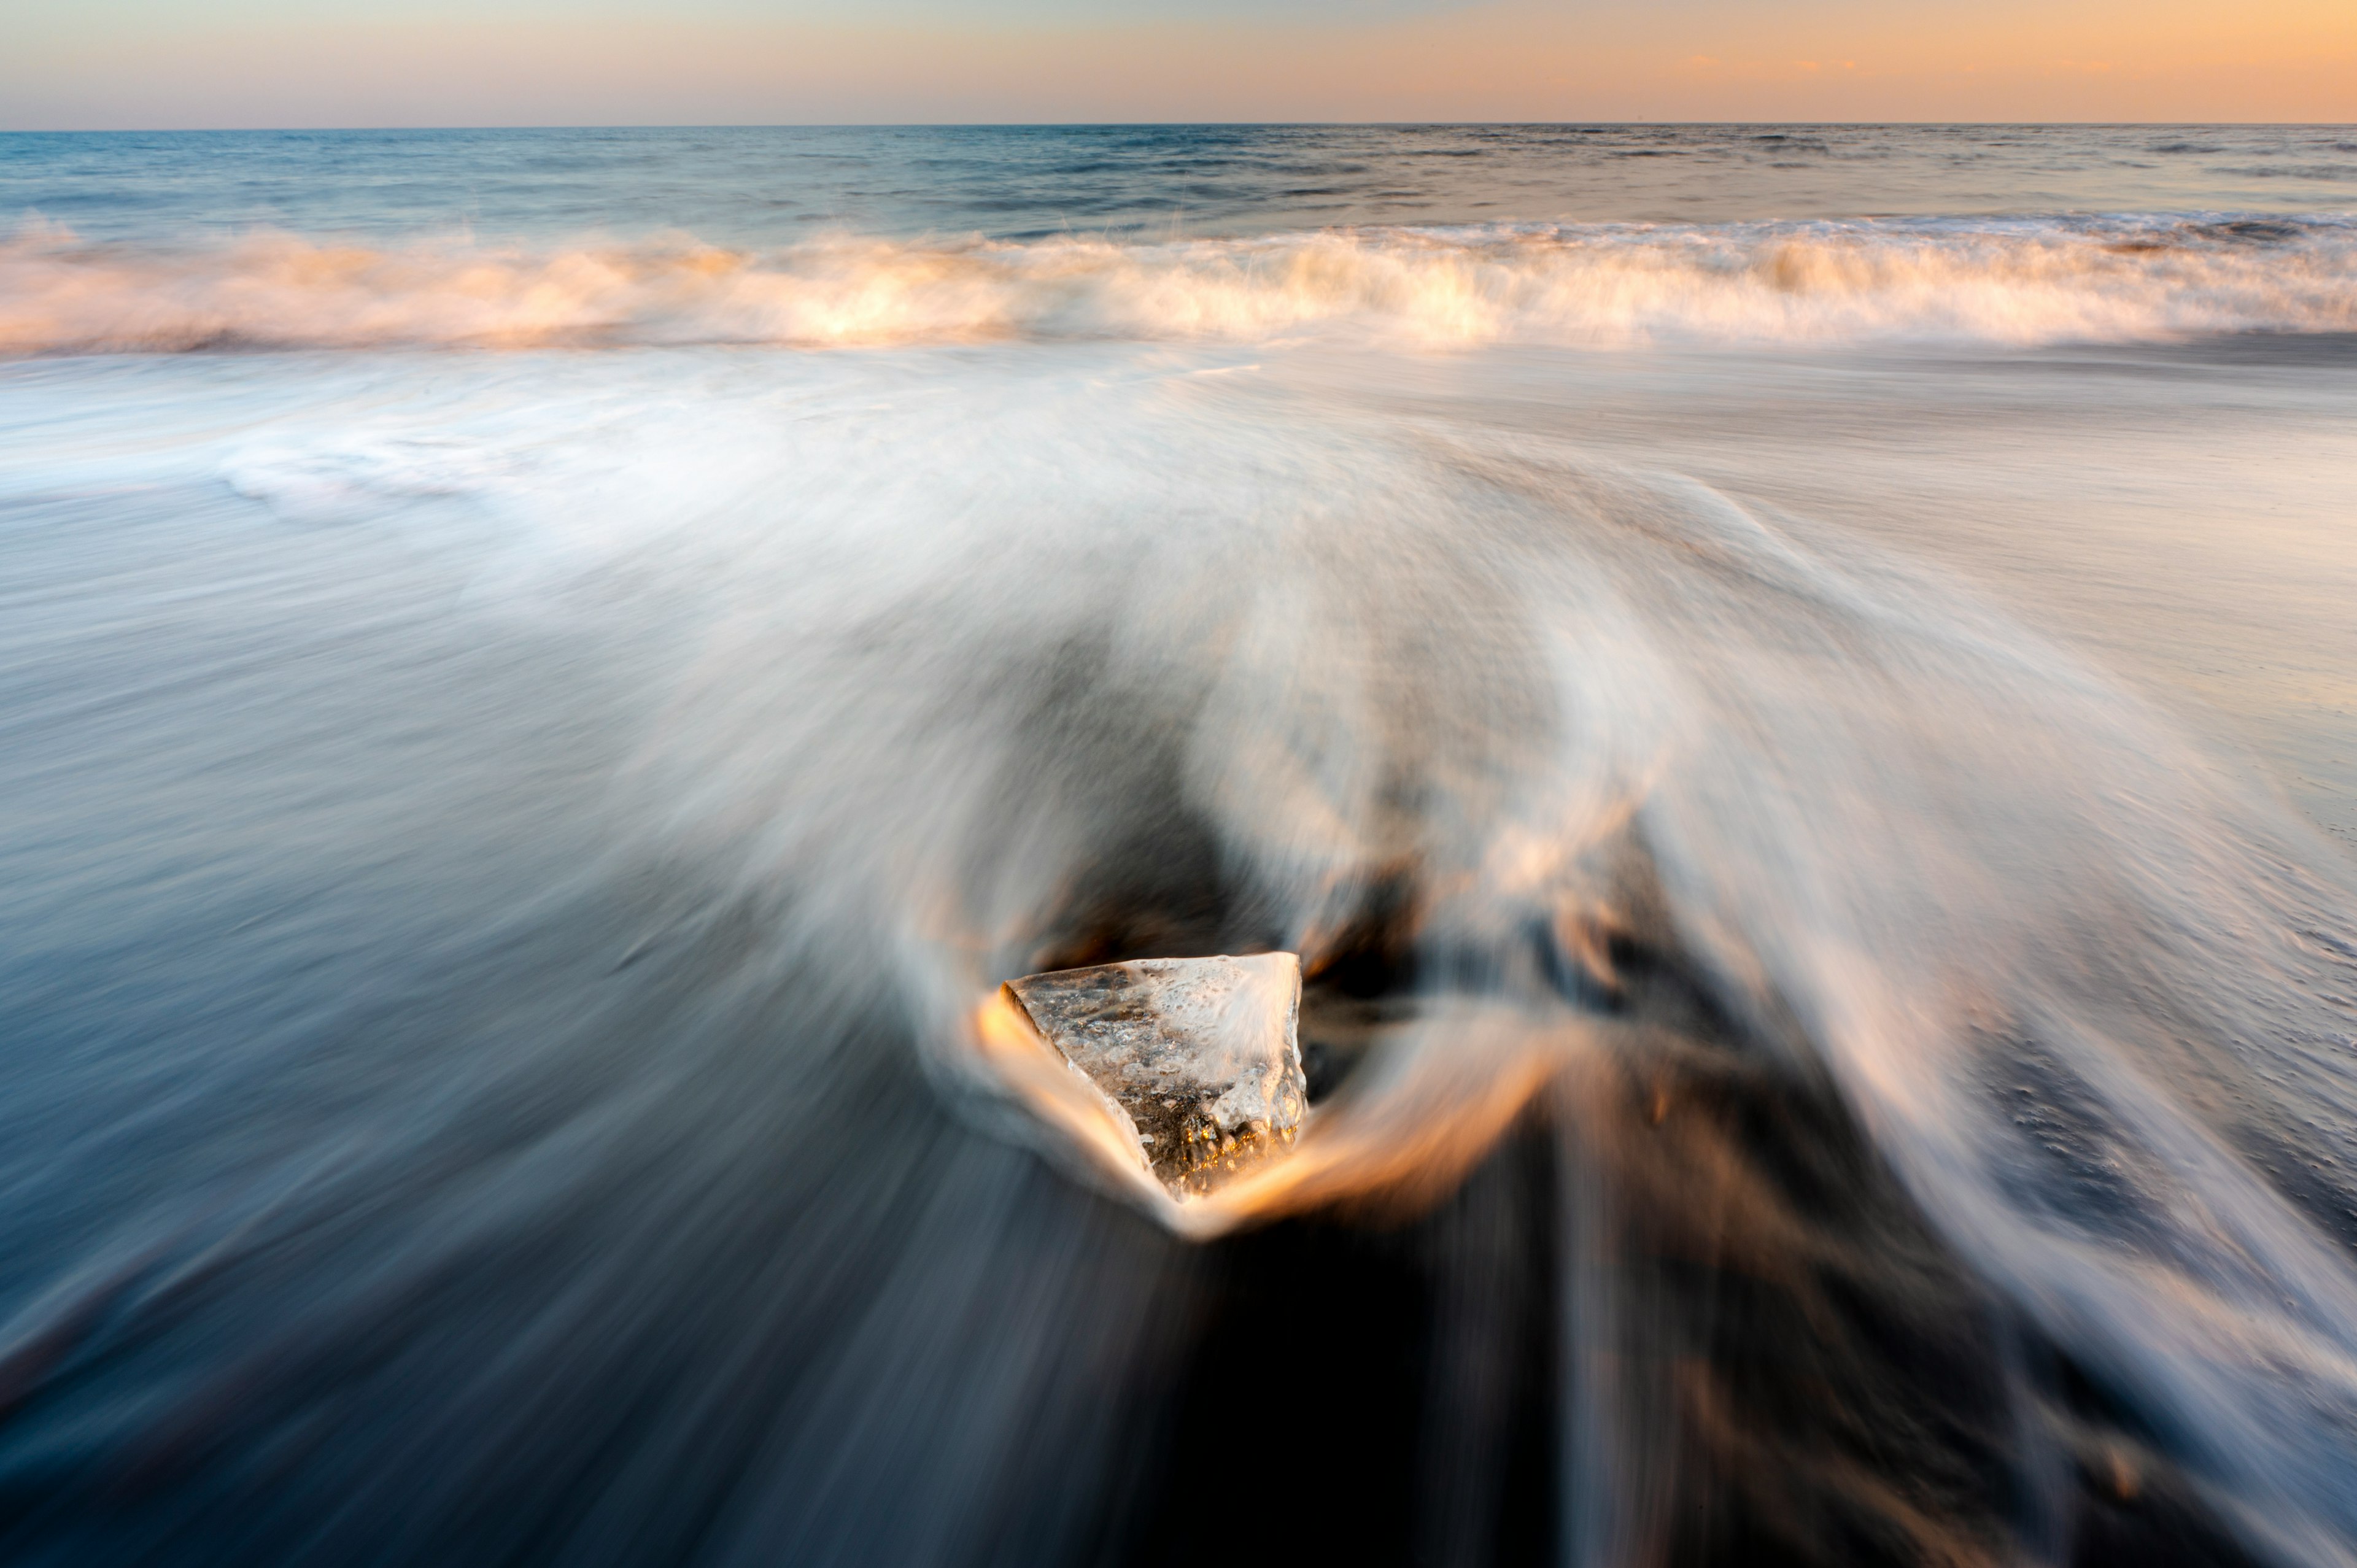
point(2011, 282)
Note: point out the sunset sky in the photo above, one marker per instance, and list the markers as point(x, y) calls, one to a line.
point(193, 63)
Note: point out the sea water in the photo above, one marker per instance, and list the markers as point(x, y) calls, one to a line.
point(1794, 688)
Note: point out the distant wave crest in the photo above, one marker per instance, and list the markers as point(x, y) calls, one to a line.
point(2027, 281)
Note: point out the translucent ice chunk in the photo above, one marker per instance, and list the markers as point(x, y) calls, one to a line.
point(1199, 1055)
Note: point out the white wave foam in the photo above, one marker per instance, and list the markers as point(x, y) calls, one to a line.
point(2023, 281)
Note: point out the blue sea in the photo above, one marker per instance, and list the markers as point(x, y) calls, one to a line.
point(1794, 689)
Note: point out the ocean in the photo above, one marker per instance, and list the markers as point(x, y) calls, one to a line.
point(1794, 688)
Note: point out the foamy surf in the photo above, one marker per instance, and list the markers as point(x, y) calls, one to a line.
point(1818, 1044)
point(2016, 282)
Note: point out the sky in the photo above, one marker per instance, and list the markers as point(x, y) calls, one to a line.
point(173, 64)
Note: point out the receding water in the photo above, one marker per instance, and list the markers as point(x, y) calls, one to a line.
point(1794, 689)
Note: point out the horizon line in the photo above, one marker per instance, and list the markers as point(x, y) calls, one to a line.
point(1166, 125)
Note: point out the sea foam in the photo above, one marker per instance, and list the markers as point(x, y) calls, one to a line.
point(2006, 282)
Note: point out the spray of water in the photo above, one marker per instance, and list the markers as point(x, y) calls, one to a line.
point(1704, 939)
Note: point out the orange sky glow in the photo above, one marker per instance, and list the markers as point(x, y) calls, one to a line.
point(161, 63)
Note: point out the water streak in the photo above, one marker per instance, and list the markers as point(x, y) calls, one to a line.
point(506, 853)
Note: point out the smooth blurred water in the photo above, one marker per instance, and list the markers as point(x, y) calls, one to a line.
point(757, 185)
point(1793, 689)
